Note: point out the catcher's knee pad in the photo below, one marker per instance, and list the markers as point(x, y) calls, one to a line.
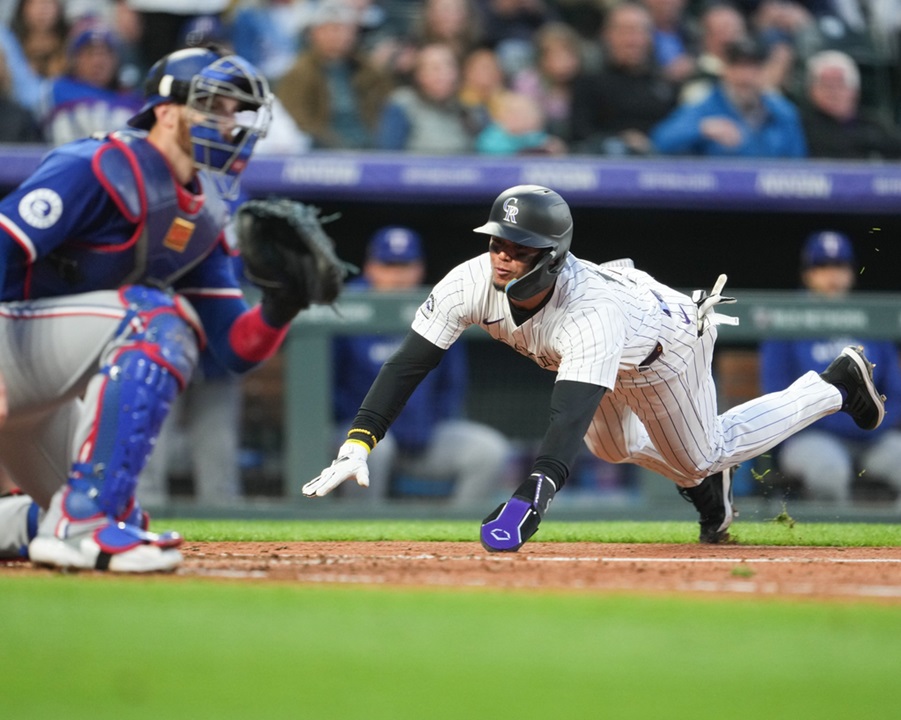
point(147, 365)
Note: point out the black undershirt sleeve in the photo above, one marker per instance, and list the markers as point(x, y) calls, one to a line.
point(396, 381)
point(573, 405)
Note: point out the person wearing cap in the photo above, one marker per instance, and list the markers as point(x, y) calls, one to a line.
point(739, 118)
point(88, 98)
point(430, 440)
point(827, 457)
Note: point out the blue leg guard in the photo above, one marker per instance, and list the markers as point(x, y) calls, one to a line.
point(144, 369)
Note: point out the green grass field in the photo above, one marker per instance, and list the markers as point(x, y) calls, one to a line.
point(90, 646)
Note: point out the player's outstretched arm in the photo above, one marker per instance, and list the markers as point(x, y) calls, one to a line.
point(399, 377)
point(572, 406)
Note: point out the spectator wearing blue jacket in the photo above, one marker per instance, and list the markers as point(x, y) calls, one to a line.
point(739, 118)
point(828, 455)
point(430, 439)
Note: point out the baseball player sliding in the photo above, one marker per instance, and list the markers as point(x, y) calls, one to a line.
point(633, 363)
point(114, 274)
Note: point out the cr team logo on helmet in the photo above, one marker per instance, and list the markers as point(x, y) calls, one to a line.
point(510, 210)
point(537, 217)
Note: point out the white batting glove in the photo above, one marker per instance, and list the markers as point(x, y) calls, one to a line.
point(707, 301)
point(350, 463)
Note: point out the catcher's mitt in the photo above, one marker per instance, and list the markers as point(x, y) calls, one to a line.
point(287, 253)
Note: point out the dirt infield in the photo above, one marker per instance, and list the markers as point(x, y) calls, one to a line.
point(749, 571)
point(852, 573)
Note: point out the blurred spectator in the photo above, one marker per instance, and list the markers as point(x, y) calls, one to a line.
point(787, 29)
point(333, 92)
point(614, 109)
point(268, 33)
point(831, 453)
point(672, 38)
point(88, 97)
point(163, 24)
point(885, 26)
point(430, 440)
point(517, 129)
point(427, 116)
point(550, 81)
point(509, 29)
point(19, 125)
point(833, 122)
point(41, 29)
point(720, 24)
point(481, 82)
point(738, 118)
point(456, 23)
point(26, 83)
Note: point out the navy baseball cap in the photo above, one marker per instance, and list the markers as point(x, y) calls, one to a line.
point(395, 245)
point(827, 248)
point(89, 32)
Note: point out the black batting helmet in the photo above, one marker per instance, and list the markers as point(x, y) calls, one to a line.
point(537, 217)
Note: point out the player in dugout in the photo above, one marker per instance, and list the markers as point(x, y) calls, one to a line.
point(633, 363)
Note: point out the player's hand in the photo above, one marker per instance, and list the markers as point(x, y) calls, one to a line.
point(350, 463)
point(722, 130)
point(515, 521)
point(707, 301)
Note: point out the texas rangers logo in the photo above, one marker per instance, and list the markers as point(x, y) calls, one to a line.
point(510, 210)
point(41, 208)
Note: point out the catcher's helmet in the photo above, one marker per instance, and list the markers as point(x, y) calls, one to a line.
point(196, 77)
point(536, 217)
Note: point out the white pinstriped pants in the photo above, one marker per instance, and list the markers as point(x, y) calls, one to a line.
point(664, 417)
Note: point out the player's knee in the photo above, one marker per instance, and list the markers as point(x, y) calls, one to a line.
point(162, 327)
point(607, 453)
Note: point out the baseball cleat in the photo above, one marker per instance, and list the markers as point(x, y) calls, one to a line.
point(853, 373)
point(67, 539)
point(713, 500)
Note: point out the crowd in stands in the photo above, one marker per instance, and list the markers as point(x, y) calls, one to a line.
point(758, 78)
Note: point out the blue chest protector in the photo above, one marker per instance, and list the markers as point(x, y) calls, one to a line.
point(167, 230)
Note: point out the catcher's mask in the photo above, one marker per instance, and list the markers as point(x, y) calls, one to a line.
point(198, 78)
point(536, 217)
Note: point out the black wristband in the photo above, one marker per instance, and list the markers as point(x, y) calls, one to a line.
point(364, 436)
point(538, 490)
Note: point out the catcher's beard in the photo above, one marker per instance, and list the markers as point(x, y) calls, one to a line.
point(183, 134)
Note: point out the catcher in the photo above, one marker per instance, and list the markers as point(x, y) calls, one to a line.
point(113, 275)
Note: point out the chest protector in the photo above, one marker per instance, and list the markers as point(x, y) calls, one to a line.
point(169, 229)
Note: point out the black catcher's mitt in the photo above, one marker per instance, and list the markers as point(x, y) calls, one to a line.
point(288, 255)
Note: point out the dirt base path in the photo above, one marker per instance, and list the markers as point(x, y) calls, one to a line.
point(852, 573)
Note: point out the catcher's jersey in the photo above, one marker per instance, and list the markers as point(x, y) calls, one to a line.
point(105, 212)
point(598, 321)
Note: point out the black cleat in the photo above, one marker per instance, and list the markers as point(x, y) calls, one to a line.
point(854, 373)
point(713, 500)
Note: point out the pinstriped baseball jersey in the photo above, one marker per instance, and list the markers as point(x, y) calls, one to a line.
point(619, 328)
point(598, 321)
